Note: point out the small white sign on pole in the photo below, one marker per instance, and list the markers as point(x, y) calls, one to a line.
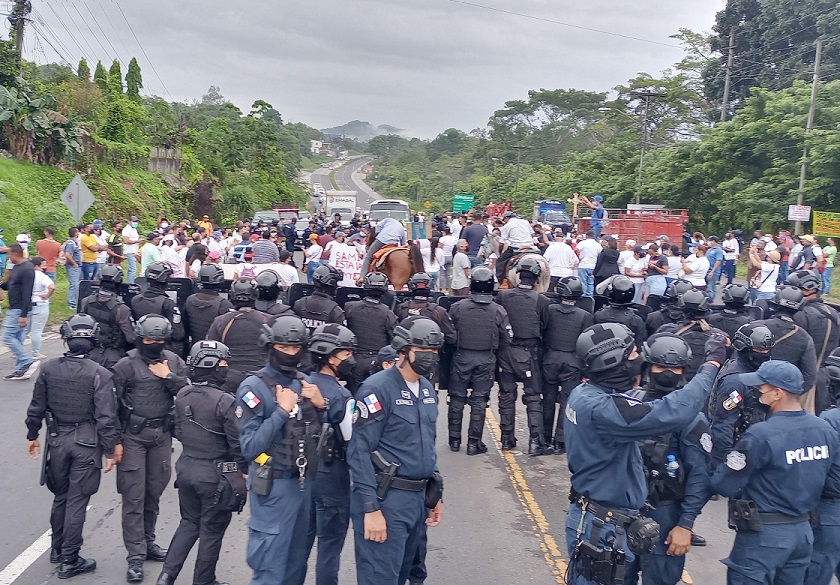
point(799, 213)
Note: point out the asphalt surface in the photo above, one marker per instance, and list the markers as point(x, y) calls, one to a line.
point(348, 177)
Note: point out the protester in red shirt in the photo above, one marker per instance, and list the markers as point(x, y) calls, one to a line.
point(48, 249)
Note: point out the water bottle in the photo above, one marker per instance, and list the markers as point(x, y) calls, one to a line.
point(673, 466)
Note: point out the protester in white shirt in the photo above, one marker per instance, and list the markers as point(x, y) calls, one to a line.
point(635, 268)
point(731, 250)
point(629, 245)
point(288, 274)
point(696, 266)
point(447, 242)
point(562, 260)
point(131, 245)
point(588, 250)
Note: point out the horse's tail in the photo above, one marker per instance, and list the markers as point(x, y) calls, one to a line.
point(415, 258)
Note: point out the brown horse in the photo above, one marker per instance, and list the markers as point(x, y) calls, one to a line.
point(400, 265)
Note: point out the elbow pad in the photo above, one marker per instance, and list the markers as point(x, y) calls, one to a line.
point(346, 424)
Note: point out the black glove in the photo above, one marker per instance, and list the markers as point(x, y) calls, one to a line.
point(716, 348)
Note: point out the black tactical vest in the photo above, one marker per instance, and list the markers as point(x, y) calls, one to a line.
point(196, 424)
point(71, 382)
point(477, 328)
point(201, 312)
point(245, 326)
point(146, 394)
point(315, 310)
point(821, 322)
point(102, 307)
point(564, 326)
point(662, 488)
point(728, 321)
point(273, 308)
point(369, 321)
point(414, 308)
point(521, 306)
point(148, 303)
point(750, 409)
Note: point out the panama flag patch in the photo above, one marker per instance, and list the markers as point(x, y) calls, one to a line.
point(251, 400)
point(372, 403)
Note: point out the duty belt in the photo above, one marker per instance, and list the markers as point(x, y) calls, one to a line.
point(772, 518)
point(154, 423)
point(604, 513)
point(409, 485)
point(528, 343)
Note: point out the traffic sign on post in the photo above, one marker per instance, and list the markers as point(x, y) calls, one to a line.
point(77, 197)
point(462, 202)
point(427, 204)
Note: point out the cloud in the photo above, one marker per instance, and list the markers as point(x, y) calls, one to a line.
point(425, 65)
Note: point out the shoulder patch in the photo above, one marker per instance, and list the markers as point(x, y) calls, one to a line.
point(736, 461)
point(631, 410)
point(251, 400)
point(372, 403)
point(733, 400)
point(706, 442)
point(364, 412)
point(238, 411)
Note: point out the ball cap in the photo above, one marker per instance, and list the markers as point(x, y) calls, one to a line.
point(386, 354)
point(598, 198)
point(777, 373)
point(507, 214)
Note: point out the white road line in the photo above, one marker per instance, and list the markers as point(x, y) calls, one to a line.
point(25, 559)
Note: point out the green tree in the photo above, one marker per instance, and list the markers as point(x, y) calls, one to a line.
point(133, 80)
point(115, 79)
point(100, 77)
point(9, 63)
point(83, 71)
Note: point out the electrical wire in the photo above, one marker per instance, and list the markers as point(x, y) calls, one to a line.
point(67, 30)
point(104, 50)
point(139, 44)
point(96, 22)
point(114, 28)
point(47, 30)
point(91, 52)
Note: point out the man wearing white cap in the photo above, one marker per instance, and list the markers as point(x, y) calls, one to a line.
point(626, 254)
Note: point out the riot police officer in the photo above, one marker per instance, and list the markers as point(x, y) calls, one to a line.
point(734, 314)
point(482, 328)
point(210, 470)
point(76, 397)
point(373, 324)
point(202, 307)
point(676, 466)
point(520, 361)
point(421, 305)
point(732, 407)
point(396, 484)
point(279, 414)
point(320, 307)
point(562, 323)
point(155, 301)
point(793, 344)
point(601, 429)
point(619, 292)
point(331, 350)
point(777, 472)
point(147, 380)
point(694, 329)
point(240, 329)
point(670, 311)
point(267, 286)
point(116, 327)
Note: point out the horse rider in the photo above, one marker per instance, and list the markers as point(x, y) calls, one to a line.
point(518, 235)
point(389, 232)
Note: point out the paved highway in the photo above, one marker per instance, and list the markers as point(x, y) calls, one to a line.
point(348, 177)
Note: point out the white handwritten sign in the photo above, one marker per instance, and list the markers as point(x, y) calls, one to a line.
point(346, 259)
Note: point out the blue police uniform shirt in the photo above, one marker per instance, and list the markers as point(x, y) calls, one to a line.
point(781, 464)
point(391, 420)
point(602, 429)
point(832, 483)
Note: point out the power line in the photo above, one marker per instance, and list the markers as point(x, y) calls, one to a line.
point(67, 30)
point(110, 44)
point(561, 23)
point(104, 50)
point(48, 30)
point(92, 53)
point(149, 61)
point(114, 28)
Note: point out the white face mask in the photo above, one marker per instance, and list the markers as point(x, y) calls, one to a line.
point(164, 225)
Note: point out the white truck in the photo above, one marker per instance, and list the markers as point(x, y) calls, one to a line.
point(341, 202)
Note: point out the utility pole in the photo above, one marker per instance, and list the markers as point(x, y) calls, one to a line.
point(518, 161)
point(646, 96)
point(800, 199)
point(724, 110)
point(21, 10)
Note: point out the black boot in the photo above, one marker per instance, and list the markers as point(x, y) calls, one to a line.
point(508, 442)
point(454, 445)
point(155, 553)
point(77, 567)
point(476, 447)
point(559, 447)
point(165, 579)
point(537, 447)
point(55, 556)
point(697, 540)
point(134, 574)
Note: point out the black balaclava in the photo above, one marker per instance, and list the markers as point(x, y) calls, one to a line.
point(212, 376)
point(284, 362)
point(150, 351)
point(527, 279)
point(80, 345)
point(754, 358)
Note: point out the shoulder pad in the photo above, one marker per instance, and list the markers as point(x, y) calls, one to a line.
point(631, 409)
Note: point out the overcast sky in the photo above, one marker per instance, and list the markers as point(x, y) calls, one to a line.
point(422, 65)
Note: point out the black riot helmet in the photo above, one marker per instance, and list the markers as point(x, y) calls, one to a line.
point(421, 332)
point(329, 338)
point(207, 354)
point(79, 326)
point(753, 336)
point(158, 273)
point(604, 346)
point(529, 264)
point(481, 284)
point(211, 276)
point(618, 289)
point(242, 292)
point(420, 284)
point(375, 284)
point(287, 330)
point(153, 326)
point(267, 285)
point(327, 277)
point(694, 303)
point(787, 298)
point(735, 294)
point(666, 350)
point(805, 280)
point(675, 289)
point(570, 287)
point(832, 366)
point(111, 273)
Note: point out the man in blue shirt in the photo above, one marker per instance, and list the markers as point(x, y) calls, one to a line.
point(389, 232)
point(596, 223)
point(714, 254)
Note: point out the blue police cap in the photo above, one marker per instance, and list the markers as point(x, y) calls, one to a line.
point(386, 354)
point(777, 373)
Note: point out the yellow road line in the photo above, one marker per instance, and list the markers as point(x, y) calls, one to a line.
point(548, 544)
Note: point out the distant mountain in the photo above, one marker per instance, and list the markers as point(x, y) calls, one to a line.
point(361, 131)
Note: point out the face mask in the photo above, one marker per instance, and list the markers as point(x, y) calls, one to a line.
point(135, 223)
point(633, 367)
point(80, 346)
point(164, 225)
point(345, 368)
point(215, 376)
point(756, 359)
point(666, 380)
point(283, 362)
point(765, 408)
point(424, 363)
point(150, 351)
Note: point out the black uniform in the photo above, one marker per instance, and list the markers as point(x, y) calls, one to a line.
point(729, 320)
point(822, 323)
point(156, 301)
point(733, 408)
point(482, 329)
point(240, 331)
point(562, 324)
point(274, 308)
point(695, 332)
point(318, 309)
point(794, 345)
point(667, 314)
point(625, 316)
point(79, 394)
point(146, 412)
point(422, 307)
point(116, 327)
point(206, 427)
point(201, 309)
point(520, 360)
point(373, 324)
